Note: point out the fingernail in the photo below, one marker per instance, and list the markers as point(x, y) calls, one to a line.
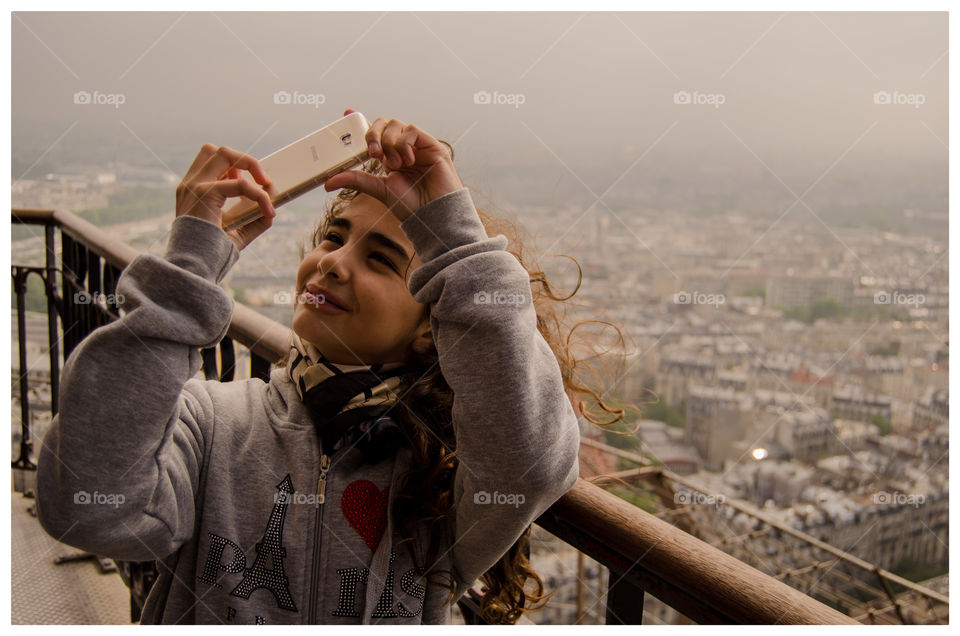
point(374, 147)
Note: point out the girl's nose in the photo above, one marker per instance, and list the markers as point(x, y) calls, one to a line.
point(335, 264)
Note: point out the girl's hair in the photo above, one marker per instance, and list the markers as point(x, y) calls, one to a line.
point(424, 501)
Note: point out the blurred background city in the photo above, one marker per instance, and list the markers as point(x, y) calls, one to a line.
point(759, 198)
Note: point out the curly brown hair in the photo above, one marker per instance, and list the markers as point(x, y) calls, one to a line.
point(425, 494)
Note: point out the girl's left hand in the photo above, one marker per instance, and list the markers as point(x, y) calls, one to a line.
point(419, 168)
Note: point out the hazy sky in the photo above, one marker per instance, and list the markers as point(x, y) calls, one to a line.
point(597, 89)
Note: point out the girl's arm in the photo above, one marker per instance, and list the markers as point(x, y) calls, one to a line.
point(516, 431)
point(120, 467)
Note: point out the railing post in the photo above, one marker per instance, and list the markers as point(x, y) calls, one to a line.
point(111, 275)
point(227, 360)
point(70, 281)
point(259, 367)
point(624, 601)
point(890, 595)
point(50, 283)
point(23, 462)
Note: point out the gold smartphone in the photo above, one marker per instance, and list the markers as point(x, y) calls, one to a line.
point(305, 164)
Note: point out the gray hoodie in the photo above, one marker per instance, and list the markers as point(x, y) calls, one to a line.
point(218, 482)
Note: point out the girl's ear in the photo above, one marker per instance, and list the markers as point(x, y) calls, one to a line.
point(423, 341)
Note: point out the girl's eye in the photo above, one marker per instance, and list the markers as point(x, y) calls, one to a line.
point(330, 236)
point(384, 260)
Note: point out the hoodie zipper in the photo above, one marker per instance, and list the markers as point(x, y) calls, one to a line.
point(317, 533)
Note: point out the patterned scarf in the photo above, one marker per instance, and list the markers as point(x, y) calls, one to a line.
point(347, 402)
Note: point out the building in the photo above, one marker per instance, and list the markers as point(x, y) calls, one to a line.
point(932, 410)
point(807, 435)
point(715, 420)
point(679, 372)
point(791, 290)
point(853, 436)
point(856, 403)
point(773, 372)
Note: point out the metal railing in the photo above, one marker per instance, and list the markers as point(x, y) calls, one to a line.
point(799, 557)
point(644, 555)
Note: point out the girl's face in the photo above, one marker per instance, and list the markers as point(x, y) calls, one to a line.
point(356, 263)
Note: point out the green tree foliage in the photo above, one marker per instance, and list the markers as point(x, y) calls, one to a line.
point(882, 424)
point(826, 308)
point(822, 308)
point(661, 411)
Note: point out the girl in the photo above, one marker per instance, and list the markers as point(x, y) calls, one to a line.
point(420, 424)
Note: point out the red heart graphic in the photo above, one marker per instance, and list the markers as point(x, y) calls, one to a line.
point(365, 507)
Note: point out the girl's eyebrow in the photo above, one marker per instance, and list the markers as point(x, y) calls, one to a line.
point(377, 237)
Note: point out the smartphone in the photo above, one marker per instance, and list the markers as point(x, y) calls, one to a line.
point(305, 164)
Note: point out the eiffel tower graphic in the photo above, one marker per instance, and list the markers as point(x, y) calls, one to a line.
point(270, 546)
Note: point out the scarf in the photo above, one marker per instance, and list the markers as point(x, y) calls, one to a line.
point(347, 402)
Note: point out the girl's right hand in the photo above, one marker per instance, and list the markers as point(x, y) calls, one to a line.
point(214, 176)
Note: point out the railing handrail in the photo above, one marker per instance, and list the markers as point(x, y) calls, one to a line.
point(114, 251)
point(728, 586)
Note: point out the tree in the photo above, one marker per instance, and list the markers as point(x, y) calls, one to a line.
point(797, 312)
point(659, 410)
point(825, 308)
point(882, 424)
point(822, 308)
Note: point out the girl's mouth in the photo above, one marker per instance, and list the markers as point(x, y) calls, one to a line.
point(319, 302)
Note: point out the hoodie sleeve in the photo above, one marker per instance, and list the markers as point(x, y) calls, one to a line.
point(119, 469)
point(516, 432)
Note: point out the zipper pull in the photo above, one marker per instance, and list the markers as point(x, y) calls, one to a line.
point(322, 484)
